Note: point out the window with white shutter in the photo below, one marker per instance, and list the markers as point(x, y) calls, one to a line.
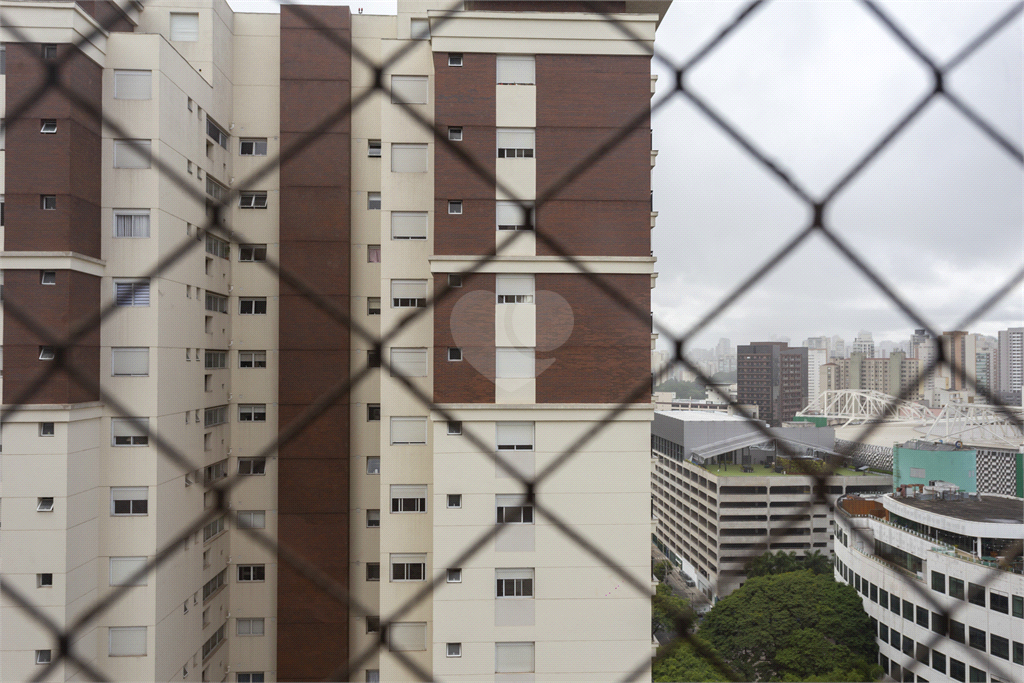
point(408, 225)
point(407, 636)
point(132, 153)
point(122, 569)
point(513, 658)
point(514, 362)
point(131, 292)
point(408, 293)
point(127, 641)
point(185, 27)
point(408, 158)
point(131, 223)
point(129, 431)
point(514, 436)
point(130, 361)
point(516, 69)
point(133, 85)
point(408, 362)
point(408, 498)
point(408, 567)
point(409, 89)
point(515, 142)
point(409, 430)
point(514, 288)
point(129, 500)
point(516, 216)
point(514, 583)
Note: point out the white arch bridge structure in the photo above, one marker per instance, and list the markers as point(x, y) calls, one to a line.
point(857, 407)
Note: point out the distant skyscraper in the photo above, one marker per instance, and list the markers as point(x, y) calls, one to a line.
point(838, 347)
point(863, 343)
point(774, 377)
point(816, 357)
point(1011, 355)
point(724, 348)
point(817, 343)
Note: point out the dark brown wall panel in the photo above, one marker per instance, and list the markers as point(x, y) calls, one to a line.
point(313, 468)
point(465, 318)
point(108, 14)
point(607, 356)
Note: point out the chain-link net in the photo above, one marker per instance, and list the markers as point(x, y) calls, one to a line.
point(219, 225)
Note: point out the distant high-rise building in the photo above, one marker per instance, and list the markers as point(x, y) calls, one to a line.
point(985, 369)
point(896, 375)
point(724, 348)
point(838, 347)
point(1011, 359)
point(773, 376)
point(816, 357)
point(817, 343)
point(957, 374)
point(863, 343)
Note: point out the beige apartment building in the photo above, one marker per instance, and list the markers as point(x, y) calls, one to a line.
point(168, 116)
point(896, 375)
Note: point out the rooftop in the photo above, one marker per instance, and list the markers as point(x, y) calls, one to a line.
point(990, 509)
point(701, 416)
point(918, 445)
point(762, 471)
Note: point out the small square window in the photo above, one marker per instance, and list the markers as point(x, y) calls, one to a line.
point(42, 656)
point(48, 277)
point(454, 353)
point(48, 202)
point(253, 147)
point(454, 59)
point(373, 412)
point(454, 650)
point(454, 428)
point(252, 200)
point(454, 280)
point(44, 504)
point(373, 519)
point(373, 465)
point(49, 52)
point(455, 206)
point(373, 200)
point(191, 104)
point(373, 148)
point(373, 358)
point(48, 126)
point(455, 133)
point(373, 253)
point(44, 580)
point(46, 429)
point(252, 252)
point(373, 305)
point(454, 576)
point(372, 624)
point(455, 500)
point(373, 571)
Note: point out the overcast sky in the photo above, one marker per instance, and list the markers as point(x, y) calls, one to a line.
point(814, 84)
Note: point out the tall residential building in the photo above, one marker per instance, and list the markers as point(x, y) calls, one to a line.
point(816, 357)
point(1011, 359)
point(838, 347)
point(773, 376)
point(959, 348)
point(817, 343)
point(863, 343)
point(379, 214)
point(896, 375)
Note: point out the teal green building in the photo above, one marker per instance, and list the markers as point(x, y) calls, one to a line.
point(922, 462)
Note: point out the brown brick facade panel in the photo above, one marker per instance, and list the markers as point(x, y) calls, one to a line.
point(471, 232)
point(313, 471)
point(75, 297)
point(607, 355)
point(465, 318)
point(622, 228)
point(593, 91)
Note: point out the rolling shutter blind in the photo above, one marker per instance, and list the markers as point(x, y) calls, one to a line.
point(516, 138)
point(127, 641)
point(185, 27)
point(133, 85)
point(514, 433)
point(509, 500)
point(513, 657)
point(122, 568)
point(408, 289)
point(129, 493)
point(122, 426)
point(409, 362)
point(412, 430)
point(408, 158)
point(514, 363)
point(409, 89)
point(408, 225)
point(516, 285)
point(522, 573)
point(407, 636)
point(129, 361)
point(518, 69)
point(408, 491)
point(513, 214)
point(132, 153)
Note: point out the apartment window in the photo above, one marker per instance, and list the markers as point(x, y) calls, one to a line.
point(252, 466)
point(373, 253)
point(211, 530)
point(514, 289)
point(249, 677)
point(2, 205)
point(252, 412)
point(454, 575)
point(453, 650)
point(977, 676)
point(131, 223)
point(129, 500)
point(373, 519)
point(515, 215)
point(191, 104)
point(252, 359)
point(252, 519)
point(999, 602)
point(515, 143)
point(373, 148)
point(253, 147)
point(516, 70)
point(132, 153)
point(957, 670)
point(48, 202)
point(455, 133)
point(455, 206)
point(408, 498)
point(248, 573)
point(957, 631)
point(372, 624)
point(454, 428)
point(514, 363)
point(373, 412)
point(976, 594)
point(1018, 606)
point(133, 84)
point(419, 29)
point(131, 292)
point(217, 470)
point(253, 305)
point(129, 361)
point(1018, 653)
point(408, 362)
point(938, 661)
point(999, 646)
point(210, 645)
point(408, 430)
point(213, 188)
point(514, 583)
point(408, 293)
point(215, 416)
point(3, 60)
point(217, 247)
point(512, 508)
point(408, 158)
point(249, 627)
point(219, 135)
point(454, 353)
point(938, 582)
point(127, 571)
point(373, 200)
point(408, 225)
point(373, 305)
point(454, 59)
point(185, 27)
point(976, 638)
point(373, 465)
point(49, 52)
point(252, 200)
point(43, 656)
point(44, 504)
point(48, 126)
point(373, 571)
point(513, 657)
point(956, 588)
point(44, 580)
point(409, 89)
point(454, 500)
point(455, 280)
point(515, 436)
point(125, 431)
point(252, 252)
point(408, 567)
point(46, 429)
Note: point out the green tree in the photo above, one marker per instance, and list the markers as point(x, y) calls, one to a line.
point(667, 609)
point(682, 389)
point(794, 626)
point(782, 562)
point(679, 661)
point(661, 569)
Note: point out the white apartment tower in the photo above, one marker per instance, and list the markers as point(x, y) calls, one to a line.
point(172, 115)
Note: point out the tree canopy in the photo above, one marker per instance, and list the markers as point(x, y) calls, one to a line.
point(682, 389)
point(783, 562)
point(795, 626)
point(666, 607)
point(679, 662)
